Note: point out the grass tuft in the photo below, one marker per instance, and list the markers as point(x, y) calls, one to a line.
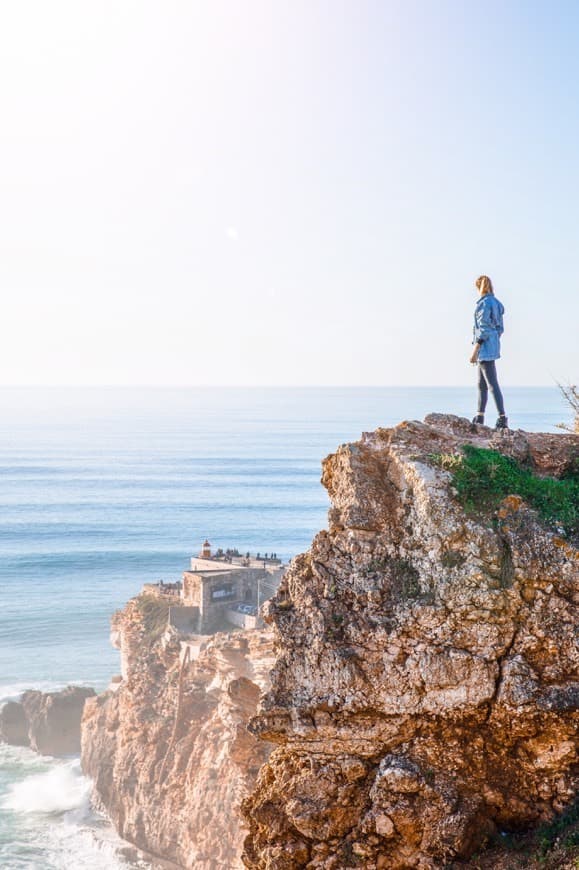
point(482, 478)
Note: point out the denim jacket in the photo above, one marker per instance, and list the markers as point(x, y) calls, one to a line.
point(488, 327)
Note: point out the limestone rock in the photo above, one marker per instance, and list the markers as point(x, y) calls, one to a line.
point(13, 724)
point(54, 719)
point(426, 686)
point(48, 722)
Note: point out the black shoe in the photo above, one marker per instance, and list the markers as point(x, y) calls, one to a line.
point(479, 420)
point(502, 422)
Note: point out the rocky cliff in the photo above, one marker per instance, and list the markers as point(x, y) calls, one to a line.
point(426, 684)
point(48, 722)
point(168, 749)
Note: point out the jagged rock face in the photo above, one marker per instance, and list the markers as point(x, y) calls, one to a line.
point(169, 750)
point(48, 722)
point(427, 676)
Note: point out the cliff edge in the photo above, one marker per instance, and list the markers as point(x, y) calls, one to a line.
point(426, 684)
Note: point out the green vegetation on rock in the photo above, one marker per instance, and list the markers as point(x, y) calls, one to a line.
point(482, 478)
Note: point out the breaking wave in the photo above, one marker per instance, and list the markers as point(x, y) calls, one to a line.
point(46, 819)
point(58, 790)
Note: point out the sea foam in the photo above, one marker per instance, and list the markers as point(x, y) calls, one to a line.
point(58, 790)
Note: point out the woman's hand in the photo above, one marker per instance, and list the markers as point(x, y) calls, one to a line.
point(474, 354)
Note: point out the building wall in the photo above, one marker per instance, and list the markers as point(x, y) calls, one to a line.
point(219, 592)
point(198, 563)
point(191, 590)
point(270, 564)
point(184, 619)
point(213, 592)
point(243, 620)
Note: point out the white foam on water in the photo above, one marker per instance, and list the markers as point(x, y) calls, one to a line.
point(57, 790)
point(86, 846)
point(17, 762)
point(54, 825)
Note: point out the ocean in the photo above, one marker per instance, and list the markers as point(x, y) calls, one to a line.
point(104, 489)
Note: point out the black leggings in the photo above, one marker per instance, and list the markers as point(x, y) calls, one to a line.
point(487, 377)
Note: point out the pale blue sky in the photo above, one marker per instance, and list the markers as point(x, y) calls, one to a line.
point(286, 192)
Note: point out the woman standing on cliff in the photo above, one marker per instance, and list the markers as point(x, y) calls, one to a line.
point(487, 331)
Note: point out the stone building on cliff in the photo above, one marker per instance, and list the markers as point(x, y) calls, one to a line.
point(220, 590)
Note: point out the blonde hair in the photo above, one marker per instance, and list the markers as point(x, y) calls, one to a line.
point(485, 285)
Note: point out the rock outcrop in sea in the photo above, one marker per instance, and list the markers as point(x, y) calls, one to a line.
point(48, 722)
point(426, 686)
point(168, 747)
